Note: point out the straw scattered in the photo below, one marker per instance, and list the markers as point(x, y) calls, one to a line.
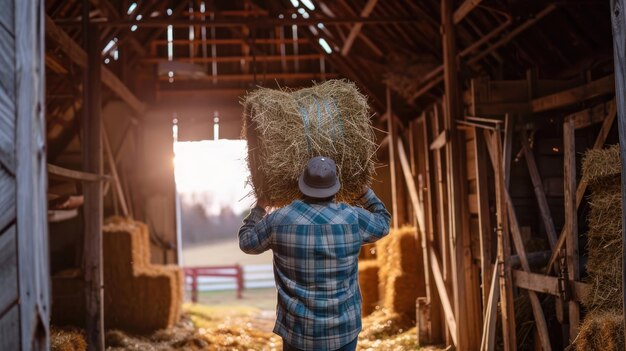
point(601, 332)
point(67, 339)
point(285, 128)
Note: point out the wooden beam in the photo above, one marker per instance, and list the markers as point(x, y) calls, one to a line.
point(251, 77)
point(484, 215)
point(71, 174)
point(546, 284)
point(507, 151)
point(504, 247)
point(113, 168)
point(582, 186)
point(602, 86)
point(79, 57)
point(443, 294)
point(468, 337)
point(391, 129)
point(466, 7)
point(618, 19)
point(571, 221)
point(93, 209)
point(239, 58)
point(590, 116)
point(356, 29)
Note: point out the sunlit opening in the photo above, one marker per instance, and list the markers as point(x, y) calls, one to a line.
point(308, 4)
point(131, 8)
point(325, 46)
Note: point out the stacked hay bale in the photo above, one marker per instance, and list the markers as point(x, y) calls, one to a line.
point(602, 328)
point(398, 271)
point(67, 340)
point(138, 297)
point(368, 283)
point(286, 128)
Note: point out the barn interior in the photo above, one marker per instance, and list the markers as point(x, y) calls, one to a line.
point(494, 123)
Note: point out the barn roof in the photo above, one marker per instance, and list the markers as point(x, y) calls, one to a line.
point(153, 49)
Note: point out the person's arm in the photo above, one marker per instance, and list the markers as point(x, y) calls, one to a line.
point(255, 233)
point(374, 219)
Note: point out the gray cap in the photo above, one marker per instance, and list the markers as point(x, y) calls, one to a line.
point(319, 179)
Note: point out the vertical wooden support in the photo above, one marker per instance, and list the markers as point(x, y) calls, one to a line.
point(392, 160)
point(92, 163)
point(441, 195)
point(509, 123)
point(468, 336)
point(26, 325)
point(571, 220)
point(119, 193)
point(618, 21)
point(504, 247)
point(436, 322)
point(484, 215)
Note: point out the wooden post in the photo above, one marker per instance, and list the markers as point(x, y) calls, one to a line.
point(571, 221)
point(484, 215)
point(92, 163)
point(618, 20)
point(504, 247)
point(468, 336)
point(392, 160)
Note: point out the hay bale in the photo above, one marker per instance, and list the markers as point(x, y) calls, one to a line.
point(603, 331)
point(601, 168)
point(368, 283)
point(285, 128)
point(401, 294)
point(67, 339)
point(138, 297)
point(395, 254)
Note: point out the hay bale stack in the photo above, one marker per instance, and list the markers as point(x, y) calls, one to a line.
point(139, 297)
point(398, 271)
point(601, 332)
point(368, 283)
point(601, 169)
point(286, 128)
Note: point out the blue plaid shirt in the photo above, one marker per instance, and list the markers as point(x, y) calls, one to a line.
point(316, 248)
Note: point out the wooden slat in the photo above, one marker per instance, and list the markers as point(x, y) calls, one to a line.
point(536, 282)
point(10, 329)
point(590, 116)
point(6, 16)
point(443, 294)
point(7, 198)
point(571, 221)
point(32, 224)
point(8, 269)
point(602, 86)
point(79, 57)
point(440, 141)
point(7, 95)
point(113, 167)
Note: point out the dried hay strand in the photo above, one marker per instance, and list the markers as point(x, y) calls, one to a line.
point(285, 128)
point(67, 339)
point(601, 163)
point(368, 283)
point(601, 331)
point(400, 342)
point(384, 323)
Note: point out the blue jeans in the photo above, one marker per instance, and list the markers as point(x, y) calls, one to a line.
point(351, 346)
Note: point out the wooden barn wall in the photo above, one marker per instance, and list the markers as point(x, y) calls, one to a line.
point(24, 276)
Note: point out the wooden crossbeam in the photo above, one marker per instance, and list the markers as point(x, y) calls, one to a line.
point(356, 29)
point(71, 174)
point(546, 284)
point(466, 7)
point(602, 86)
point(248, 58)
point(79, 57)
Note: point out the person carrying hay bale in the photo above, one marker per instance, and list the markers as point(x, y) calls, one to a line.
point(316, 242)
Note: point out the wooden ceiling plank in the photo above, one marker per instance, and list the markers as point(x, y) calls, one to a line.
point(356, 29)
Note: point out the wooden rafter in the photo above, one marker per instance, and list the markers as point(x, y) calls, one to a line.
point(79, 57)
point(356, 29)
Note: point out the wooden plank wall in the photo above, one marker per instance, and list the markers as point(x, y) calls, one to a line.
point(24, 275)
